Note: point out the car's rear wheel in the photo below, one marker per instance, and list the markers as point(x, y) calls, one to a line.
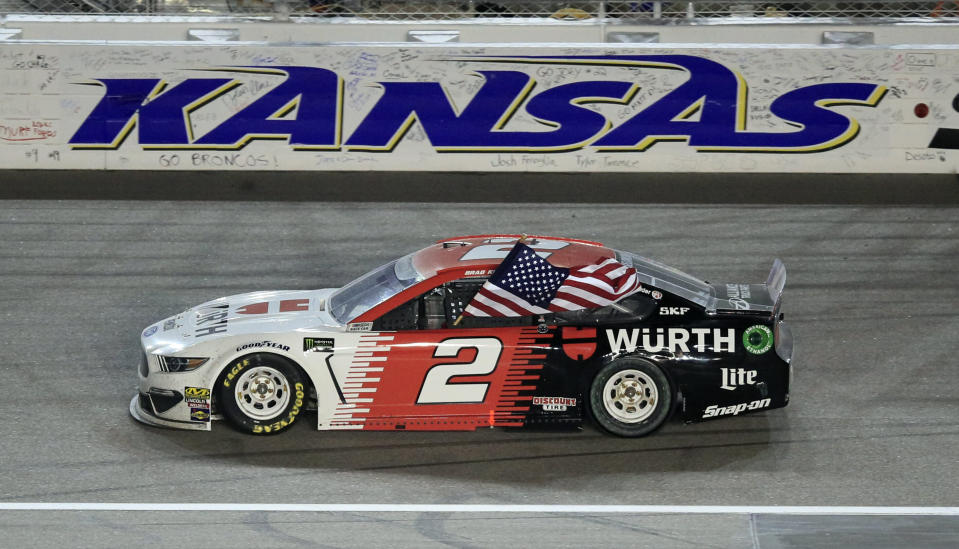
point(262, 394)
point(631, 397)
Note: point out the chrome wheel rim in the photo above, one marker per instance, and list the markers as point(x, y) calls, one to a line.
point(630, 396)
point(262, 393)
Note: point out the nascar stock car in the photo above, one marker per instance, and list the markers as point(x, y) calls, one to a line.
point(476, 331)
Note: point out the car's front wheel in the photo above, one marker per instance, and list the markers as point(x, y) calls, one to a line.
point(631, 397)
point(262, 394)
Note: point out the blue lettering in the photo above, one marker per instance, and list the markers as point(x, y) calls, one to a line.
point(719, 95)
point(113, 117)
point(716, 93)
point(163, 121)
point(403, 103)
point(315, 96)
point(820, 129)
point(707, 111)
point(480, 125)
point(561, 108)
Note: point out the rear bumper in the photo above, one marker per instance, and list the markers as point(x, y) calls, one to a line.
point(784, 348)
point(784, 342)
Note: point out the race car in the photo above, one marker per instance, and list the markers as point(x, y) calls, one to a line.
point(474, 332)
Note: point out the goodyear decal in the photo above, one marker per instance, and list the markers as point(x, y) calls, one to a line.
point(707, 111)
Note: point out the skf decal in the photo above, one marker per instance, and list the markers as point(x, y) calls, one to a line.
point(579, 343)
point(707, 111)
point(735, 409)
point(653, 340)
point(673, 311)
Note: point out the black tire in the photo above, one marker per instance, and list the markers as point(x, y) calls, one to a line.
point(262, 394)
point(633, 413)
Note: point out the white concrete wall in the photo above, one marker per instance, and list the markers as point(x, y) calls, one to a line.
point(51, 89)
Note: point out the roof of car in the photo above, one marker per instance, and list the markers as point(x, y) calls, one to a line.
point(488, 250)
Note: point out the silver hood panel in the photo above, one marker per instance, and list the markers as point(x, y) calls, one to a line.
point(251, 313)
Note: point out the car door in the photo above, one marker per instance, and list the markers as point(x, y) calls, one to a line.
point(438, 374)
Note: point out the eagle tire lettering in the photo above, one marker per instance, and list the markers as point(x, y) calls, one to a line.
point(285, 373)
point(235, 371)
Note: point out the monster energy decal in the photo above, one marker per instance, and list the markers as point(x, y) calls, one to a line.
point(317, 343)
point(758, 339)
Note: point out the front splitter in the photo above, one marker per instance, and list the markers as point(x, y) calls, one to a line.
point(143, 416)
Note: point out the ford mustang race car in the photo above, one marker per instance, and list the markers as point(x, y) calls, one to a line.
point(476, 331)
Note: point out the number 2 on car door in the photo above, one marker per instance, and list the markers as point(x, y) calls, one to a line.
point(437, 388)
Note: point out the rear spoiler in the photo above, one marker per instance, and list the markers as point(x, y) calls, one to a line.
point(776, 281)
point(751, 298)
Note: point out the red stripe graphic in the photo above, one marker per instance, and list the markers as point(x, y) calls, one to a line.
point(388, 397)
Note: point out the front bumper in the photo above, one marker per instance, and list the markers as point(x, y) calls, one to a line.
point(176, 400)
point(143, 415)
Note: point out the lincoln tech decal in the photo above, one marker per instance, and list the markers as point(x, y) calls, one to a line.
point(619, 104)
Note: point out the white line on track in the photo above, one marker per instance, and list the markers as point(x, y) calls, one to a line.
point(439, 508)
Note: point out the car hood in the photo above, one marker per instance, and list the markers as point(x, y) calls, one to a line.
point(250, 313)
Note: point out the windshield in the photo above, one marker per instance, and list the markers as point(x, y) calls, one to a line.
point(667, 278)
point(373, 288)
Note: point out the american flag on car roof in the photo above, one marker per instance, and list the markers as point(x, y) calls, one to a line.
point(526, 284)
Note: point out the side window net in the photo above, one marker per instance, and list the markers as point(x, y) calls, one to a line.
point(458, 296)
point(404, 317)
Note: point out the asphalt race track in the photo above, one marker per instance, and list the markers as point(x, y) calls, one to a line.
point(872, 297)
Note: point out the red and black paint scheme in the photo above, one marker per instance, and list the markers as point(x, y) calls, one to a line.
point(725, 354)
